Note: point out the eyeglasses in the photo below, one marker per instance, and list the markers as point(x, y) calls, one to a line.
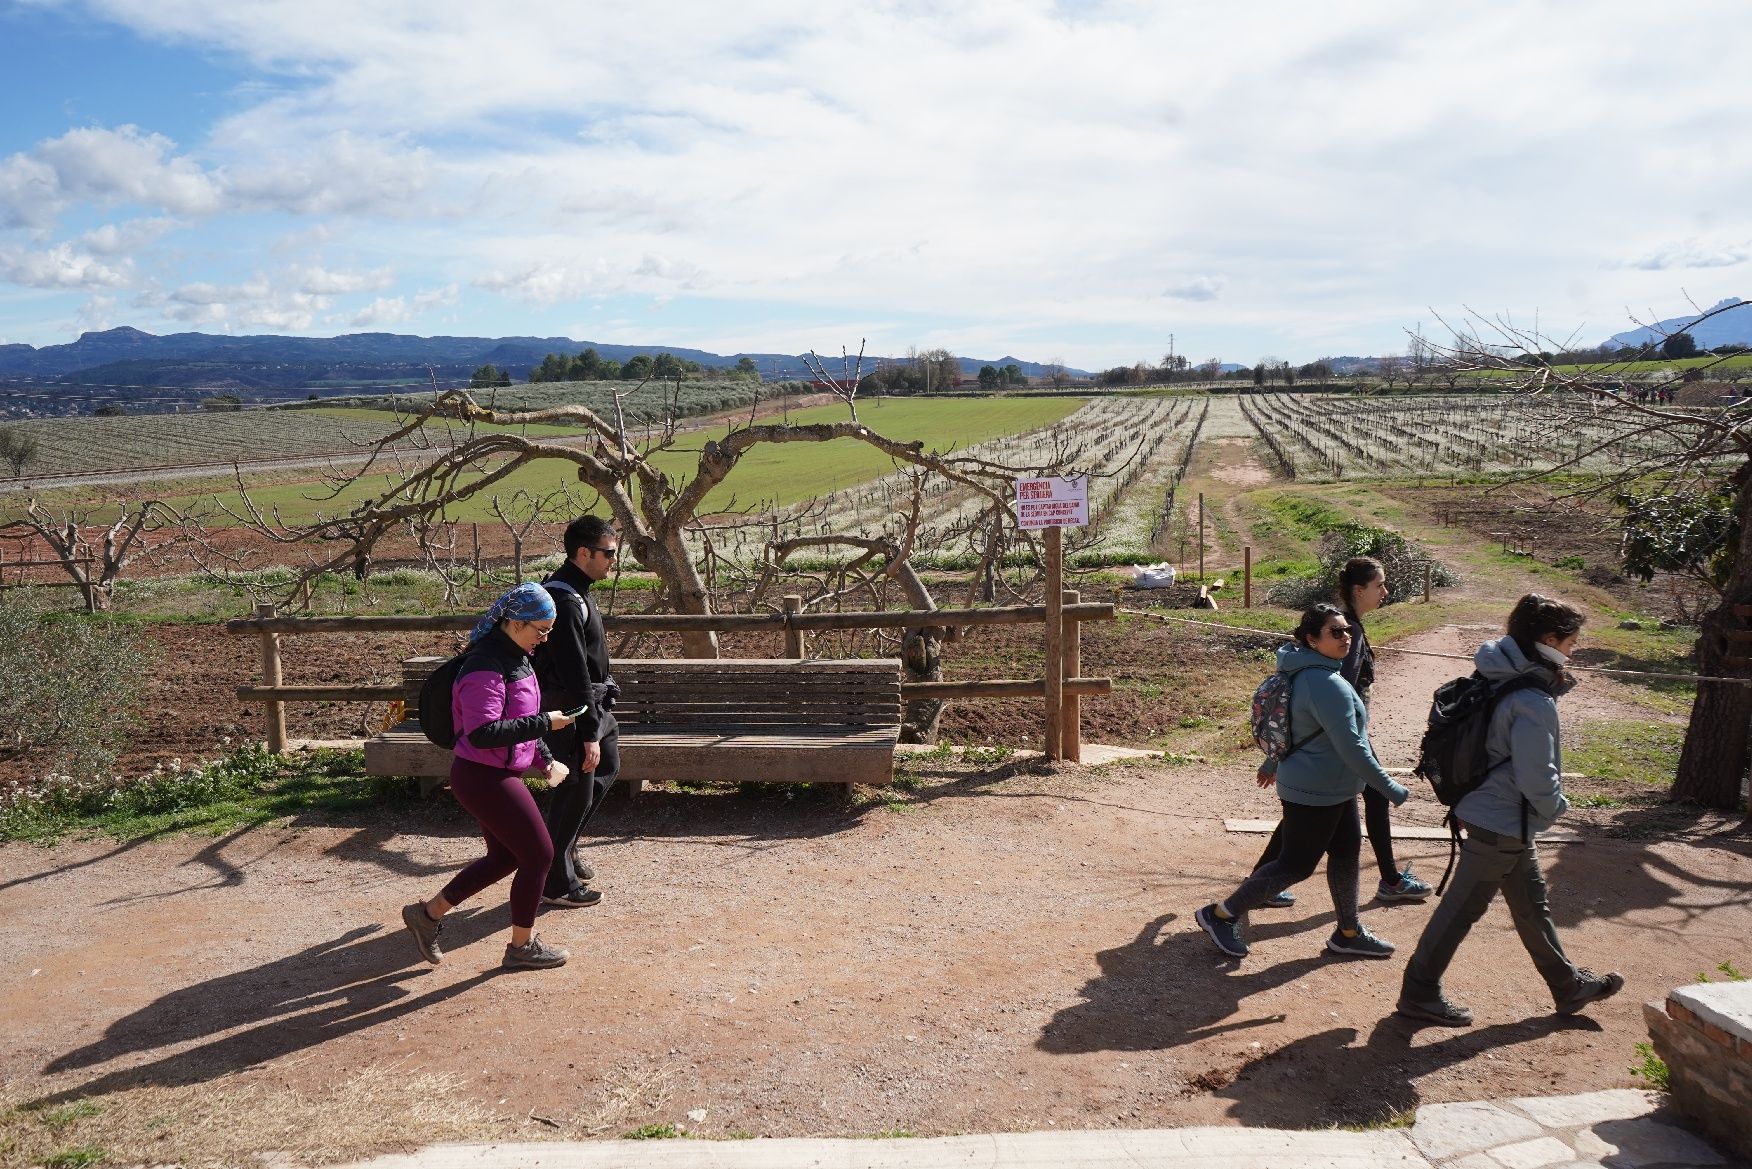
point(611, 553)
point(1340, 631)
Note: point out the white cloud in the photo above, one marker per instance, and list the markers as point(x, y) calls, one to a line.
point(257, 303)
point(1197, 288)
point(58, 268)
point(385, 310)
point(1693, 254)
point(121, 239)
point(327, 282)
point(127, 165)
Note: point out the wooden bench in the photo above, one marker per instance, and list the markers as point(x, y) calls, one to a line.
point(724, 720)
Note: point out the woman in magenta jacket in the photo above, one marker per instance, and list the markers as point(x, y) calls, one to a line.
point(496, 708)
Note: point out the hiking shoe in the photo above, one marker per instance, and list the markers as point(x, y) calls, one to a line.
point(1284, 900)
point(425, 931)
point(1407, 888)
point(575, 899)
point(1364, 945)
point(1438, 1010)
point(534, 954)
point(1225, 933)
point(1589, 987)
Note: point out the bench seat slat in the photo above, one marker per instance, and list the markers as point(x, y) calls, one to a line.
point(720, 720)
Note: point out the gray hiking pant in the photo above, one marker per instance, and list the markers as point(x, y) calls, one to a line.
point(1490, 861)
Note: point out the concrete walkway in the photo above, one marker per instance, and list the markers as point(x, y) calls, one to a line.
point(1620, 1129)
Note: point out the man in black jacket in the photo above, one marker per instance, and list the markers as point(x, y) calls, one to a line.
point(573, 670)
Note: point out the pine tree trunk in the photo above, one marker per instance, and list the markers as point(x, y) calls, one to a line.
point(1712, 764)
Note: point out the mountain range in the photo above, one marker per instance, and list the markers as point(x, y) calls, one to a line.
point(1730, 327)
point(271, 366)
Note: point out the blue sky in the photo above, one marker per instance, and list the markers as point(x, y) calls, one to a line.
point(1077, 182)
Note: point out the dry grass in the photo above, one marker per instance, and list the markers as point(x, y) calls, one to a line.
point(387, 1108)
point(383, 1109)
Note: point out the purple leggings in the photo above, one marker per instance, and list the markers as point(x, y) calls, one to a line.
point(516, 837)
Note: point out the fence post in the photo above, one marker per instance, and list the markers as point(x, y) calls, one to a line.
point(1070, 706)
point(794, 643)
point(1055, 641)
point(1201, 578)
point(271, 676)
point(476, 529)
point(1429, 574)
point(1247, 576)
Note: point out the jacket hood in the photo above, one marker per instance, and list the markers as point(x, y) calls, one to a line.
point(1293, 656)
point(1502, 659)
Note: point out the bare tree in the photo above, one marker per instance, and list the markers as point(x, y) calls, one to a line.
point(655, 513)
point(95, 567)
point(1663, 453)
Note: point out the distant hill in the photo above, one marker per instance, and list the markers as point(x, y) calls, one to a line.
point(1730, 328)
point(127, 364)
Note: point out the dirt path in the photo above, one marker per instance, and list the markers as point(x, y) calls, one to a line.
point(1011, 950)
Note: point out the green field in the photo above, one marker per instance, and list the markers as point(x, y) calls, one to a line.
point(1736, 364)
point(772, 475)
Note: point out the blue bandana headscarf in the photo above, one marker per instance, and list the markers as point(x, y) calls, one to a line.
point(527, 602)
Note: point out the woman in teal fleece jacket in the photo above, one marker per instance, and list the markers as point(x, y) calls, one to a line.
point(1317, 784)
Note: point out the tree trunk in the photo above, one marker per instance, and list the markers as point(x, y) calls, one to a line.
point(668, 557)
point(1712, 764)
point(921, 655)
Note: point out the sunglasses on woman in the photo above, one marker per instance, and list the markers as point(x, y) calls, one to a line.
point(1339, 631)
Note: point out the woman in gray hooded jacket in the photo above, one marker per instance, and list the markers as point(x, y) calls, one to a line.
point(1520, 797)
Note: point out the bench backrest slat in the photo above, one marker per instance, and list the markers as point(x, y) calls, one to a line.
point(708, 692)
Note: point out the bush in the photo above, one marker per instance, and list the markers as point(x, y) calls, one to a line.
point(1402, 559)
point(70, 688)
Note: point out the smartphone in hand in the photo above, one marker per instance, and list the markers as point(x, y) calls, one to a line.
point(575, 711)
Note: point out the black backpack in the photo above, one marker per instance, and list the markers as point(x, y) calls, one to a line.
point(435, 692)
point(1453, 756)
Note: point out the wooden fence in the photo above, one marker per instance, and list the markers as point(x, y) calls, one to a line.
point(1063, 737)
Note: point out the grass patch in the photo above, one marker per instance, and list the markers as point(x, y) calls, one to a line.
point(1300, 516)
point(663, 1131)
point(1626, 749)
point(244, 789)
point(1649, 1067)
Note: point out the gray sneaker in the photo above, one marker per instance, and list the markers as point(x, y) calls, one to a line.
point(425, 931)
point(1438, 1010)
point(534, 954)
point(1364, 945)
point(1589, 987)
point(1225, 932)
point(1284, 900)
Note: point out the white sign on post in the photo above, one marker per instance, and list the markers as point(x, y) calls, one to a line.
point(1052, 502)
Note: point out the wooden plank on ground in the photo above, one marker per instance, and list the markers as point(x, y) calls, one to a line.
point(1405, 831)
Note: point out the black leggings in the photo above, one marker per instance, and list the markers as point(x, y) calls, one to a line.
point(1377, 810)
point(1307, 832)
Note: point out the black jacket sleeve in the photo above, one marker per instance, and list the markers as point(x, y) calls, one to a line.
point(562, 664)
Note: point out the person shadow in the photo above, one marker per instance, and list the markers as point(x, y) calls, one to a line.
point(1372, 1084)
point(1166, 988)
point(364, 977)
point(1158, 991)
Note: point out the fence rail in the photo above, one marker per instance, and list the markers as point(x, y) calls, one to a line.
point(791, 623)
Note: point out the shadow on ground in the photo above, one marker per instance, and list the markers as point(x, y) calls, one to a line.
point(362, 978)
